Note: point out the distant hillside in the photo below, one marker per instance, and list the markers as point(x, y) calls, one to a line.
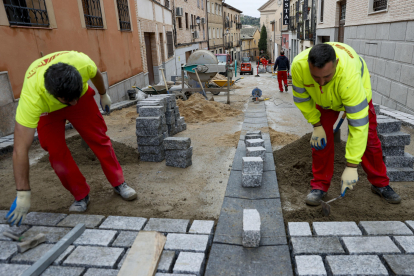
point(249, 20)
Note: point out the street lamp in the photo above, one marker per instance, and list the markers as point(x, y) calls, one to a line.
point(198, 20)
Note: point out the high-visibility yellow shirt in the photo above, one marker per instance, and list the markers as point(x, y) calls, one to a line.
point(34, 99)
point(349, 90)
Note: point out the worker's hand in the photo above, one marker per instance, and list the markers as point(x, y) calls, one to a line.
point(19, 208)
point(349, 179)
point(106, 103)
point(318, 140)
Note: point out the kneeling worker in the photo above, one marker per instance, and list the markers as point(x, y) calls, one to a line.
point(55, 89)
point(329, 78)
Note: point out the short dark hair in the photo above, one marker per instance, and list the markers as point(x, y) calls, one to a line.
point(64, 81)
point(321, 54)
point(282, 52)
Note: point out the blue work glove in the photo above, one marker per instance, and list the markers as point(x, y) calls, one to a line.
point(19, 208)
point(318, 140)
point(106, 103)
point(349, 179)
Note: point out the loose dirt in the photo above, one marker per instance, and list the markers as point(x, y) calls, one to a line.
point(294, 172)
point(197, 109)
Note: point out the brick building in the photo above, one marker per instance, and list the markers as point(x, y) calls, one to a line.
point(190, 21)
point(215, 26)
point(232, 27)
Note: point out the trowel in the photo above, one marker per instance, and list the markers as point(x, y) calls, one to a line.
point(326, 208)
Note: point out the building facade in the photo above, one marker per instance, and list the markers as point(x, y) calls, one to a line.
point(105, 30)
point(191, 34)
point(232, 27)
point(250, 43)
point(215, 26)
point(269, 17)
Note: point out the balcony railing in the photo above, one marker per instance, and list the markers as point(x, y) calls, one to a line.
point(23, 14)
point(380, 5)
point(292, 23)
point(167, 4)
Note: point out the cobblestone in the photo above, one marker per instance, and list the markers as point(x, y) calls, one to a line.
point(406, 242)
point(62, 256)
point(252, 165)
point(251, 228)
point(101, 272)
point(63, 271)
point(166, 261)
point(90, 256)
point(256, 152)
point(336, 229)
point(316, 245)
point(400, 264)
point(32, 255)
point(385, 228)
point(410, 224)
point(370, 245)
point(299, 229)
point(186, 242)
point(202, 227)
point(310, 266)
point(90, 221)
point(7, 249)
point(189, 263)
point(13, 269)
point(96, 237)
point(167, 225)
point(43, 219)
point(356, 265)
point(123, 223)
point(53, 234)
point(255, 143)
point(125, 239)
point(15, 230)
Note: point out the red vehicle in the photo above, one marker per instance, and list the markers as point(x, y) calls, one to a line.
point(246, 66)
point(224, 59)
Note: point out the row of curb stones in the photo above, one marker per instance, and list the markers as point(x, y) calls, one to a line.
point(102, 248)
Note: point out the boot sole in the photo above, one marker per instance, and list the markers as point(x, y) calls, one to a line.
point(82, 211)
point(387, 200)
point(134, 196)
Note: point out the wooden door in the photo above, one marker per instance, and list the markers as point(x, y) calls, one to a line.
point(149, 58)
point(342, 13)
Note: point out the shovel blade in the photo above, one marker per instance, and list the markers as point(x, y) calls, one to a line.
point(326, 209)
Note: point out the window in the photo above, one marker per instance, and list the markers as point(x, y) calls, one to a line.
point(186, 20)
point(123, 15)
point(92, 13)
point(343, 11)
point(179, 23)
point(321, 16)
point(202, 6)
point(208, 6)
point(170, 45)
point(218, 35)
point(380, 5)
point(198, 3)
point(214, 33)
point(21, 13)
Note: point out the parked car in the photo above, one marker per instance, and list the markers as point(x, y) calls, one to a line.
point(246, 66)
point(224, 59)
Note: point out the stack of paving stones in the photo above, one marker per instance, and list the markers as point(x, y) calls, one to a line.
point(345, 248)
point(102, 248)
point(399, 163)
point(178, 152)
point(228, 256)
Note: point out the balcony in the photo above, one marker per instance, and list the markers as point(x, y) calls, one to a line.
point(292, 23)
point(238, 26)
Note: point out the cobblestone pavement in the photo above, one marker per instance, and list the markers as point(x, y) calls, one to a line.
point(345, 248)
point(102, 248)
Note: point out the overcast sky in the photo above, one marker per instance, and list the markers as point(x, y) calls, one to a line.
point(249, 7)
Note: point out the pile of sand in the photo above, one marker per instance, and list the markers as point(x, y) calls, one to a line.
point(294, 173)
point(219, 77)
point(198, 109)
point(279, 138)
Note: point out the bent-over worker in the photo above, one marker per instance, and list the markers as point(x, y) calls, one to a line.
point(54, 90)
point(329, 78)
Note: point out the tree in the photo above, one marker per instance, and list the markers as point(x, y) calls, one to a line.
point(263, 41)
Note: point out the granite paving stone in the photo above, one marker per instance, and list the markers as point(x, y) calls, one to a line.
point(255, 132)
point(186, 242)
point(190, 263)
point(168, 274)
point(388, 125)
point(255, 143)
point(32, 255)
point(156, 150)
point(258, 120)
point(252, 165)
point(252, 180)
point(13, 269)
point(166, 261)
point(311, 265)
point(400, 174)
point(123, 259)
point(7, 249)
point(141, 131)
point(299, 229)
point(406, 161)
point(256, 152)
point(90, 221)
point(385, 228)
point(62, 256)
point(393, 151)
point(394, 139)
point(44, 219)
point(101, 272)
point(3, 213)
point(249, 126)
point(96, 237)
point(356, 265)
point(240, 261)
point(63, 271)
point(336, 228)
point(14, 229)
point(316, 245)
point(177, 154)
point(268, 189)
point(251, 228)
point(177, 143)
point(252, 136)
point(53, 234)
point(229, 227)
point(406, 242)
point(400, 264)
point(123, 223)
point(370, 245)
point(410, 224)
point(152, 157)
point(125, 239)
point(151, 111)
point(167, 225)
point(202, 227)
point(150, 140)
point(94, 256)
point(269, 164)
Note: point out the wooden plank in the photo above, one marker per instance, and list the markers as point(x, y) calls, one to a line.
point(144, 255)
point(38, 267)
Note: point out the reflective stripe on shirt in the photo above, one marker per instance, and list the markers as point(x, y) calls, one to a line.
point(301, 100)
point(356, 108)
point(358, 122)
point(298, 89)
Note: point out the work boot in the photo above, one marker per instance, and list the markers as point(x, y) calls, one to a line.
point(125, 191)
point(80, 206)
point(286, 88)
point(314, 198)
point(387, 193)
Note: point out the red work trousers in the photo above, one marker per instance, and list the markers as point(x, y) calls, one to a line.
point(323, 160)
point(88, 121)
point(282, 76)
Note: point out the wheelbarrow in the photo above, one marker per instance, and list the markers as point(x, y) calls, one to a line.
point(223, 83)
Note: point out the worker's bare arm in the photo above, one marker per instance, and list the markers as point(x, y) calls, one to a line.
point(23, 138)
point(99, 82)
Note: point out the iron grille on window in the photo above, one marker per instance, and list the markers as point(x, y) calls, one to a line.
point(307, 29)
point(27, 12)
point(167, 4)
point(292, 23)
point(93, 14)
point(170, 44)
point(380, 5)
point(343, 11)
point(123, 14)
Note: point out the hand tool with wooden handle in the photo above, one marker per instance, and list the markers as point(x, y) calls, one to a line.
point(26, 243)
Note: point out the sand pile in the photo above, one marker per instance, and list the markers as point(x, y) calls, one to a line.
point(231, 140)
point(197, 109)
point(219, 77)
point(280, 138)
point(294, 172)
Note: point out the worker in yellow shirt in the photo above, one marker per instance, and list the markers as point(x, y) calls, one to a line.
point(329, 78)
point(55, 89)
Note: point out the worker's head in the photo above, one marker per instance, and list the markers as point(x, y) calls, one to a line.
point(282, 53)
point(64, 82)
point(322, 63)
